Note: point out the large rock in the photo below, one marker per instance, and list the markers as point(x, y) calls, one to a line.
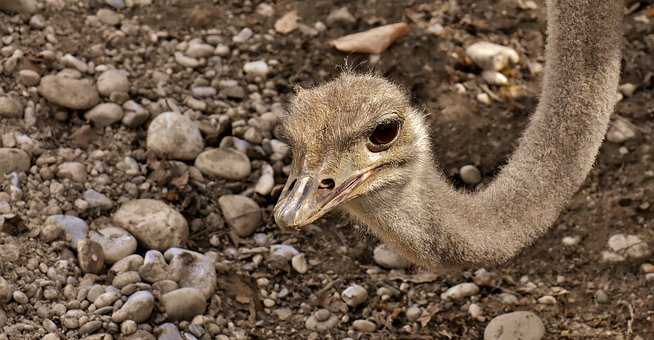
point(225, 163)
point(516, 325)
point(174, 136)
point(13, 160)
point(241, 213)
point(77, 94)
point(192, 270)
point(154, 224)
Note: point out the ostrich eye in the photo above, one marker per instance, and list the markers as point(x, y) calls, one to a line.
point(383, 135)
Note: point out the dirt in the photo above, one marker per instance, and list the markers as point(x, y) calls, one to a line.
point(616, 197)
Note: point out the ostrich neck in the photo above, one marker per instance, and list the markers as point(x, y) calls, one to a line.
point(432, 224)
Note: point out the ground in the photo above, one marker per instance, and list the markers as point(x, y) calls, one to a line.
point(616, 197)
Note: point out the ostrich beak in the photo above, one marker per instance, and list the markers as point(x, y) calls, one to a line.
point(305, 200)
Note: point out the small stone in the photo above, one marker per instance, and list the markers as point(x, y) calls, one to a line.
point(169, 331)
point(174, 136)
point(225, 163)
point(154, 224)
point(77, 94)
point(570, 240)
point(601, 296)
point(373, 41)
point(341, 16)
point(6, 291)
point(620, 130)
point(475, 311)
point(113, 81)
point(629, 245)
point(75, 229)
point(354, 295)
point(108, 17)
point(484, 98)
point(186, 61)
point(241, 213)
point(470, 174)
point(90, 256)
point(135, 114)
point(10, 107)
point(266, 182)
point(20, 297)
point(90, 327)
point(494, 77)
point(192, 270)
point(116, 243)
point(516, 325)
point(647, 268)
point(13, 160)
point(265, 10)
point(628, 89)
point(74, 171)
point(117, 4)
point(460, 291)
point(21, 6)
point(129, 263)
point(137, 308)
point(203, 91)
point(508, 299)
point(364, 326)
point(97, 200)
point(284, 251)
point(287, 23)
point(105, 114)
point(106, 299)
point(243, 36)
point(299, 263)
point(183, 303)
point(128, 327)
point(322, 320)
point(154, 267)
point(199, 50)
point(385, 257)
point(28, 78)
point(413, 313)
point(490, 56)
point(547, 300)
point(124, 279)
point(257, 68)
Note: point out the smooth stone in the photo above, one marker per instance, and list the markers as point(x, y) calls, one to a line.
point(385, 257)
point(129, 263)
point(116, 243)
point(137, 308)
point(6, 291)
point(75, 229)
point(28, 78)
point(113, 81)
point(470, 174)
point(460, 291)
point(364, 326)
point(154, 224)
point(19, 6)
point(13, 160)
point(299, 263)
point(77, 94)
point(241, 213)
point(620, 130)
point(174, 136)
point(516, 325)
point(97, 200)
point(105, 114)
point(106, 299)
point(490, 56)
point(90, 256)
point(169, 331)
point(192, 270)
point(354, 295)
point(257, 68)
point(108, 17)
point(154, 267)
point(183, 303)
point(10, 107)
point(74, 171)
point(629, 245)
point(199, 50)
point(283, 251)
point(266, 182)
point(225, 163)
point(321, 323)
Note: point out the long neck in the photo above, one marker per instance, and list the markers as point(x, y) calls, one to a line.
point(555, 155)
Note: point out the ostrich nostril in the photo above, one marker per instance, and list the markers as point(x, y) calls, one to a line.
point(327, 183)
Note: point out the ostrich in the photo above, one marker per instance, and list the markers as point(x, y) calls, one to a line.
point(360, 147)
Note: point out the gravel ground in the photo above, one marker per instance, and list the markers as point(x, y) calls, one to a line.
point(140, 160)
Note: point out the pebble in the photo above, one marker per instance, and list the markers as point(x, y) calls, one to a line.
point(241, 213)
point(494, 78)
point(364, 326)
point(470, 174)
point(186, 61)
point(547, 300)
point(340, 16)
point(322, 320)
point(117, 4)
point(74, 171)
point(257, 68)
point(59, 90)
point(174, 136)
point(128, 327)
point(97, 200)
point(28, 78)
point(105, 114)
point(266, 182)
point(354, 295)
point(106, 299)
point(630, 246)
point(116, 243)
point(124, 279)
point(299, 263)
point(6, 291)
point(137, 308)
point(154, 267)
point(13, 160)
point(460, 291)
point(413, 313)
point(373, 41)
point(183, 303)
point(601, 296)
point(154, 224)
point(484, 98)
point(108, 17)
point(135, 114)
point(21, 6)
point(10, 107)
point(199, 50)
point(129, 263)
point(90, 256)
point(570, 240)
point(75, 229)
point(243, 36)
point(225, 163)
point(515, 325)
point(628, 89)
point(192, 270)
point(169, 331)
point(20, 297)
point(620, 131)
point(490, 56)
point(284, 251)
point(385, 257)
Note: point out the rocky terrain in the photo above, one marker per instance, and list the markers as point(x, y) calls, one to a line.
point(140, 160)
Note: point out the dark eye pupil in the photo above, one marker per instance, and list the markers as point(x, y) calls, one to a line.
point(385, 133)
